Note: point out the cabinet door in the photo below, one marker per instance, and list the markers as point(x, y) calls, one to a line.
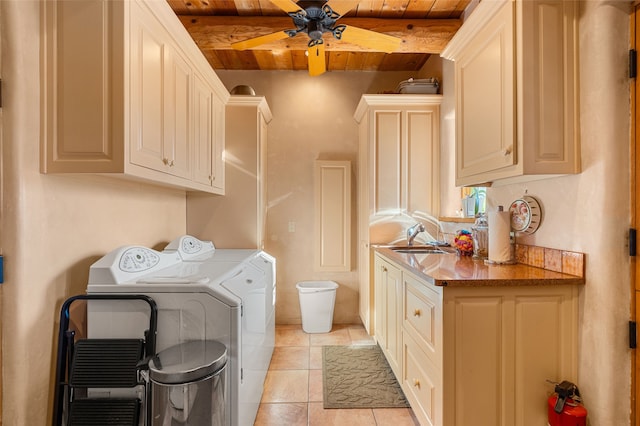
point(422, 170)
point(203, 132)
point(485, 99)
point(84, 109)
point(366, 265)
point(393, 315)
point(405, 150)
point(160, 100)
point(388, 310)
point(477, 358)
point(217, 166)
point(548, 105)
point(379, 276)
point(177, 110)
point(387, 158)
point(262, 175)
point(147, 48)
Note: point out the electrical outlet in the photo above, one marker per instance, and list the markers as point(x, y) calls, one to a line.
point(292, 226)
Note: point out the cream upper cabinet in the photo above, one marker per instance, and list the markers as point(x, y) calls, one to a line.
point(401, 134)
point(236, 220)
point(516, 90)
point(477, 355)
point(129, 93)
point(161, 86)
point(208, 126)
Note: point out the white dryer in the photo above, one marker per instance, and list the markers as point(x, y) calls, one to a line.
point(202, 293)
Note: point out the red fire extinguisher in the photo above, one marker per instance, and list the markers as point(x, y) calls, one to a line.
point(565, 406)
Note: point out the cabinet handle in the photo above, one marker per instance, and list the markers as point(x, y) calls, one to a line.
point(507, 150)
point(416, 383)
point(384, 269)
point(417, 313)
point(171, 163)
point(167, 162)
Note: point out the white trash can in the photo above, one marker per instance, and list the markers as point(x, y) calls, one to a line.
point(317, 299)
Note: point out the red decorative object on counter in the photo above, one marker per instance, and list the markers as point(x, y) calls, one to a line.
point(463, 243)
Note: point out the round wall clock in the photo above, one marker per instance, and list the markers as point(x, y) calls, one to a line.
point(525, 215)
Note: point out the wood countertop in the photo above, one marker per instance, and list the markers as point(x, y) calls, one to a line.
point(449, 269)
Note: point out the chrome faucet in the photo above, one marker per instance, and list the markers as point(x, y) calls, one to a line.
point(413, 231)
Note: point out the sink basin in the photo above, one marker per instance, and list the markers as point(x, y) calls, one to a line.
point(418, 250)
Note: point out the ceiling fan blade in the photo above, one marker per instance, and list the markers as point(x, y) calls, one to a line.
point(286, 5)
point(257, 41)
point(371, 39)
point(317, 63)
point(343, 6)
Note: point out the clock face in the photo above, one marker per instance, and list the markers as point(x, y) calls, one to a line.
point(525, 215)
point(520, 215)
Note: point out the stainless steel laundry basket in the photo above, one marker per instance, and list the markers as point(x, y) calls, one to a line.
point(188, 384)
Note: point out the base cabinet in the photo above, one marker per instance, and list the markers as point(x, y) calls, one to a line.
point(503, 344)
point(480, 356)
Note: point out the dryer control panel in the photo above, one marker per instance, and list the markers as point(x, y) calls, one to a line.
point(190, 248)
point(126, 264)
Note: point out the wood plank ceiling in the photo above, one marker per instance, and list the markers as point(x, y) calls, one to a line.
point(425, 27)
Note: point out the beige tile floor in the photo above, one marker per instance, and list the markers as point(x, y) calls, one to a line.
point(293, 388)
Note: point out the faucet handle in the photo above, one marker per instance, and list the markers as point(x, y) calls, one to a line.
point(413, 231)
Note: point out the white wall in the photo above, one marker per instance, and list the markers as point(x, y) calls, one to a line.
point(53, 227)
point(590, 212)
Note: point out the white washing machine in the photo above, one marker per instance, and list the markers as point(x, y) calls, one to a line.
point(202, 293)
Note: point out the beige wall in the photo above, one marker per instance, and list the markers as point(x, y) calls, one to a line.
point(589, 212)
point(312, 119)
point(53, 227)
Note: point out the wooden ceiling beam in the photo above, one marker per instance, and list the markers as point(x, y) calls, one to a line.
point(418, 35)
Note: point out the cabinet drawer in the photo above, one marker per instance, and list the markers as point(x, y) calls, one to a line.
point(421, 383)
point(423, 317)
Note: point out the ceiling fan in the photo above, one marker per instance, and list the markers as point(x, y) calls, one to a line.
point(315, 18)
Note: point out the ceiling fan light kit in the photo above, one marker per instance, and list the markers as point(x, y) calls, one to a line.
point(316, 18)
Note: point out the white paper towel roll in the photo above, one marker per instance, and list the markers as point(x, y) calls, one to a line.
point(499, 233)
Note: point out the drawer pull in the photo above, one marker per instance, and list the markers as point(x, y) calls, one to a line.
point(384, 269)
point(417, 313)
point(416, 383)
